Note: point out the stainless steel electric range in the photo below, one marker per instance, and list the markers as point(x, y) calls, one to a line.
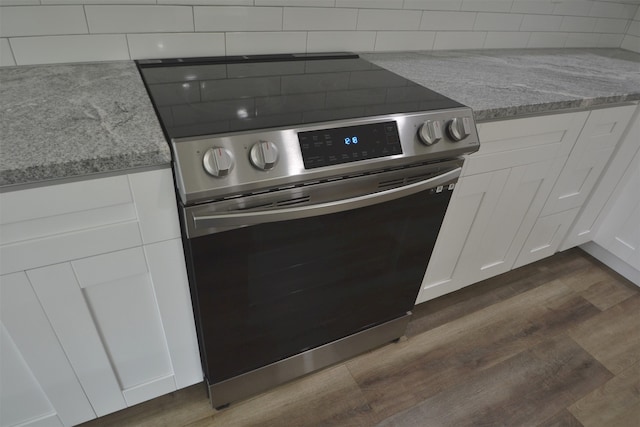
point(311, 192)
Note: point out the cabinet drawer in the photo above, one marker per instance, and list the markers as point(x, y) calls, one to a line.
point(518, 142)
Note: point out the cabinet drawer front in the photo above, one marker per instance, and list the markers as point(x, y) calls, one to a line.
point(545, 237)
point(54, 200)
point(34, 253)
point(518, 142)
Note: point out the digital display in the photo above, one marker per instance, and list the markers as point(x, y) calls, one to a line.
point(349, 144)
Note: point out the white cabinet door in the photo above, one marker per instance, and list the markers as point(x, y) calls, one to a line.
point(619, 230)
point(472, 203)
point(39, 387)
point(583, 229)
point(596, 143)
point(105, 313)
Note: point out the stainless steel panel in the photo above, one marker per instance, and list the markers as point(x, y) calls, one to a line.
point(196, 186)
point(264, 378)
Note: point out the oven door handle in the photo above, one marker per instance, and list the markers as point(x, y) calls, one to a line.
point(236, 219)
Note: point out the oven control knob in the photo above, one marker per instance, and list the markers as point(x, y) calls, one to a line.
point(264, 155)
point(430, 132)
point(217, 161)
point(459, 128)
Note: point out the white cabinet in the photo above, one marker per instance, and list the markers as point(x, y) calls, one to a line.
point(626, 155)
point(519, 196)
point(502, 191)
point(589, 157)
point(101, 263)
point(617, 239)
point(39, 386)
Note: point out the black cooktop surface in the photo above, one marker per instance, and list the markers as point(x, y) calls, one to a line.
point(204, 96)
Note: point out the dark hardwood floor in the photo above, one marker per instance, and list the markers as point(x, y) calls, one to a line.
point(554, 343)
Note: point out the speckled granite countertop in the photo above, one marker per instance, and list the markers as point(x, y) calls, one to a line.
point(499, 84)
point(65, 121)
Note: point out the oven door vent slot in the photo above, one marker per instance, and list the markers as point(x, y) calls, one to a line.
point(423, 177)
point(293, 201)
point(250, 207)
point(391, 183)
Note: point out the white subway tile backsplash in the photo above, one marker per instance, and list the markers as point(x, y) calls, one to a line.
point(578, 24)
point(207, 2)
point(173, 28)
point(498, 22)
point(542, 39)
point(60, 49)
point(320, 19)
point(487, 5)
point(433, 4)
point(459, 40)
point(374, 4)
point(305, 3)
point(404, 40)
point(506, 40)
point(581, 39)
point(327, 41)
point(601, 9)
point(634, 28)
point(369, 19)
point(139, 19)
point(19, 2)
point(266, 42)
point(98, 2)
point(452, 21)
point(610, 25)
point(533, 6)
point(6, 56)
point(158, 45)
point(41, 20)
point(631, 43)
point(541, 23)
point(573, 7)
point(610, 40)
point(231, 18)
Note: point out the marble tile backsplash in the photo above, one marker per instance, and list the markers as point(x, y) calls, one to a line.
point(58, 31)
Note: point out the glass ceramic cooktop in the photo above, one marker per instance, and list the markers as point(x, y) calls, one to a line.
point(203, 96)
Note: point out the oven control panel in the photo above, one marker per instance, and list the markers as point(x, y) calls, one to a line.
point(334, 146)
point(209, 168)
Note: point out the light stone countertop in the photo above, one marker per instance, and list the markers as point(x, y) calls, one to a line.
point(77, 120)
point(499, 84)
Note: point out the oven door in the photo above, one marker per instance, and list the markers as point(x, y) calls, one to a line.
point(272, 282)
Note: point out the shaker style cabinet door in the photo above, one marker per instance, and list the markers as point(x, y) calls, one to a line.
point(589, 157)
point(471, 204)
point(619, 230)
point(585, 226)
point(104, 312)
point(38, 385)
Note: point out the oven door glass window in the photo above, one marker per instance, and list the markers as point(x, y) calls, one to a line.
point(277, 289)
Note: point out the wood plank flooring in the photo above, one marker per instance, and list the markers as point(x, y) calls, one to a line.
point(554, 343)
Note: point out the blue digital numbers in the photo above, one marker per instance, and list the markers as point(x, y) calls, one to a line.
point(351, 140)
